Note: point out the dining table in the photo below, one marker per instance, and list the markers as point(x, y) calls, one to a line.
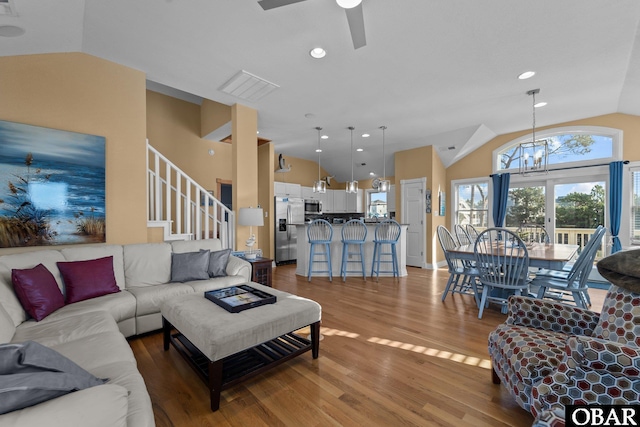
point(552, 256)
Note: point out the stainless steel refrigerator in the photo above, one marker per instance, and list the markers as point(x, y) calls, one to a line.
point(289, 211)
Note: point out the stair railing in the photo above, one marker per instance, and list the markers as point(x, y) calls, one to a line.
point(190, 210)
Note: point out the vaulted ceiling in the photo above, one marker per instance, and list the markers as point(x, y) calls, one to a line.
point(441, 73)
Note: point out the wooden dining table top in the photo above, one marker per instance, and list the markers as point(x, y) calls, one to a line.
point(549, 255)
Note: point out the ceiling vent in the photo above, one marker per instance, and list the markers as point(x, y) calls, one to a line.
point(7, 8)
point(248, 87)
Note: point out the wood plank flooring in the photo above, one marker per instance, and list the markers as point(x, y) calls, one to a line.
point(392, 354)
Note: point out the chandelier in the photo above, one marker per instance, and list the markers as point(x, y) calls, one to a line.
point(319, 186)
point(352, 186)
point(534, 155)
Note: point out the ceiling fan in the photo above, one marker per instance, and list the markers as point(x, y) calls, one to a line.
point(353, 9)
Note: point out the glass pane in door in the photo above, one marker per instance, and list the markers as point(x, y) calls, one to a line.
point(579, 209)
point(525, 205)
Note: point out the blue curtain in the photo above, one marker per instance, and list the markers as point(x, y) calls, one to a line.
point(615, 203)
point(500, 194)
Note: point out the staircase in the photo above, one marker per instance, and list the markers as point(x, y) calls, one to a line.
point(183, 208)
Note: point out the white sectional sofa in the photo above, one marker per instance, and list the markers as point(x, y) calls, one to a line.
point(92, 333)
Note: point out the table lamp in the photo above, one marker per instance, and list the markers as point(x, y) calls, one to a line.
point(251, 216)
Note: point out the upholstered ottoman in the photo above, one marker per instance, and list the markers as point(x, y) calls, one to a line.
point(225, 348)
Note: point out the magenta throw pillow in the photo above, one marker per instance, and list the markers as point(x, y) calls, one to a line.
point(37, 291)
point(88, 279)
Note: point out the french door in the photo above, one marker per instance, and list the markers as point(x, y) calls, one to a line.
point(570, 208)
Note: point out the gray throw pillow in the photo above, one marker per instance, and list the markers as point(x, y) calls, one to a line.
point(189, 266)
point(31, 373)
point(218, 261)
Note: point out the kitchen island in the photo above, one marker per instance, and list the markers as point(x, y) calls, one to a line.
point(302, 267)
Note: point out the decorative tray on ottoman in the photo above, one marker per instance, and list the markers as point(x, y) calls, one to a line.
point(239, 298)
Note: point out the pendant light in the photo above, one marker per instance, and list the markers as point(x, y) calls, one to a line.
point(534, 155)
point(352, 186)
point(385, 184)
point(319, 186)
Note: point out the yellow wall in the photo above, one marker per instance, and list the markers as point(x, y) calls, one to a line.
point(173, 128)
point(81, 93)
point(266, 199)
point(303, 172)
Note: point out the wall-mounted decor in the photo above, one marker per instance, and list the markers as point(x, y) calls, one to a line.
point(52, 186)
point(442, 202)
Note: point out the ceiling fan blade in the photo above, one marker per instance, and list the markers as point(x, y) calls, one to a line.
point(355, 17)
point(271, 4)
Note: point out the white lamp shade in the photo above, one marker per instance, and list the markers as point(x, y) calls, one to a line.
point(352, 187)
point(251, 216)
point(384, 185)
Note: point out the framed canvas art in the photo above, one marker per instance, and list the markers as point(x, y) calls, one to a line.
point(52, 186)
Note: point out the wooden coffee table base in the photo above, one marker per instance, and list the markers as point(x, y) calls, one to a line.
point(224, 373)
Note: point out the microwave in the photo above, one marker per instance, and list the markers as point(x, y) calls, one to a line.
point(312, 207)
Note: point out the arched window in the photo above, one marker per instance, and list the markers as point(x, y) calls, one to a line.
point(567, 147)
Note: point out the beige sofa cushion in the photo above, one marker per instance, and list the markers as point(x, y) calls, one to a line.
point(93, 252)
point(52, 332)
point(101, 406)
point(7, 328)
point(202, 286)
point(183, 246)
point(140, 413)
point(147, 264)
point(149, 298)
point(97, 350)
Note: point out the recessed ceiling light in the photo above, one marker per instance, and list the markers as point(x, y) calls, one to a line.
point(310, 116)
point(348, 4)
point(527, 75)
point(325, 137)
point(11, 31)
point(317, 52)
point(359, 149)
point(365, 135)
point(540, 104)
point(318, 150)
point(372, 173)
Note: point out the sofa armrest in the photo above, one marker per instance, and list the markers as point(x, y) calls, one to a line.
point(239, 267)
point(551, 316)
point(596, 354)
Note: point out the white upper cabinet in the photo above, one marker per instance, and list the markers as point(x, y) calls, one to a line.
point(285, 189)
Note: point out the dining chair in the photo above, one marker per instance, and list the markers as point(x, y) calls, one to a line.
point(462, 235)
point(320, 234)
point(354, 234)
point(472, 232)
point(560, 284)
point(458, 269)
point(502, 260)
point(533, 233)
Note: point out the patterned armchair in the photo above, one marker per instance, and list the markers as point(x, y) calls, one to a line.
point(549, 355)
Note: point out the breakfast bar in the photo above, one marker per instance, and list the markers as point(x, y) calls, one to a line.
point(336, 251)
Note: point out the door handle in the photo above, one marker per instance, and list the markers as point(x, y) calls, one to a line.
point(288, 222)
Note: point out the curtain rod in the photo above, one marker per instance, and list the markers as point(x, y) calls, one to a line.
point(626, 162)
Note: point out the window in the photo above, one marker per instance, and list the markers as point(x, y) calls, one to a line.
point(472, 204)
point(376, 204)
point(569, 146)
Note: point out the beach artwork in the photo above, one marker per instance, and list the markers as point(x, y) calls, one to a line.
point(52, 186)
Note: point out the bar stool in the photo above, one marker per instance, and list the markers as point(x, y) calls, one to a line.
point(354, 232)
point(320, 233)
point(387, 233)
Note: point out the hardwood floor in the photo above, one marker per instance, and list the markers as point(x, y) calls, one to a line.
point(392, 354)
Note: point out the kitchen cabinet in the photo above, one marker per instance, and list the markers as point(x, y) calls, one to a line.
point(339, 201)
point(354, 201)
point(285, 189)
point(308, 194)
point(327, 202)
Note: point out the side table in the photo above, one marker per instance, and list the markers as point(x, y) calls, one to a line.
point(261, 270)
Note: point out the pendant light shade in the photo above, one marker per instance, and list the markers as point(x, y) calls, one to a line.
point(352, 186)
point(534, 154)
point(348, 4)
point(319, 186)
point(384, 185)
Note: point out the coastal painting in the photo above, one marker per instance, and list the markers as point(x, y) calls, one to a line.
point(52, 186)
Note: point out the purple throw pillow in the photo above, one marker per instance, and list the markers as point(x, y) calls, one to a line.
point(88, 279)
point(37, 291)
